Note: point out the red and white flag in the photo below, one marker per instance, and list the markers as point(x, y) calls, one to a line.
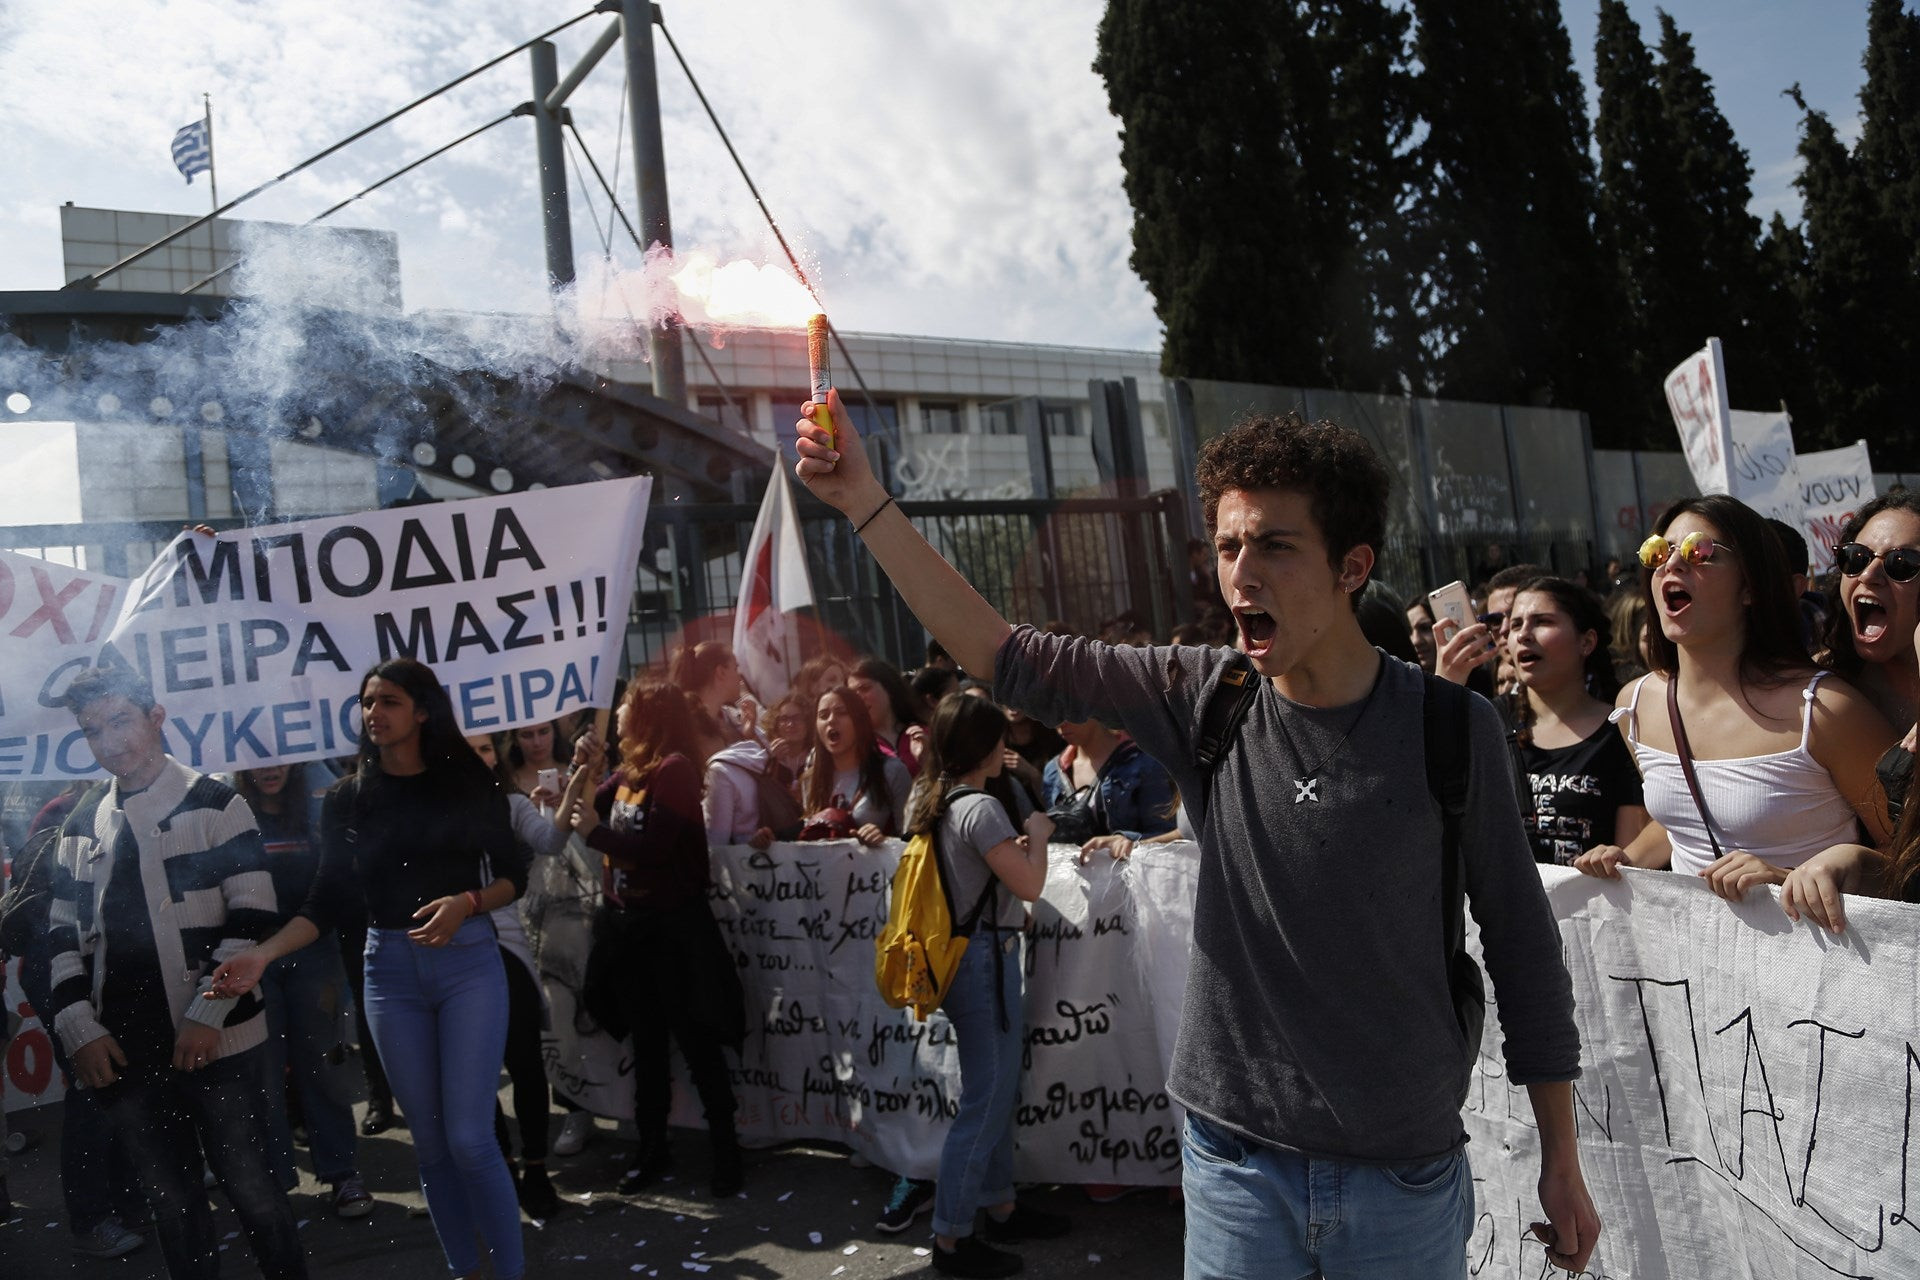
point(766, 634)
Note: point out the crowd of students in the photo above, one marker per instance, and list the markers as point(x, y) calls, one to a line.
point(204, 1050)
point(1719, 714)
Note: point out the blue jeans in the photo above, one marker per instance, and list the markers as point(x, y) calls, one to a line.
point(1255, 1210)
point(976, 1161)
point(159, 1113)
point(439, 1016)
point(96, 1175)
point(306, 995)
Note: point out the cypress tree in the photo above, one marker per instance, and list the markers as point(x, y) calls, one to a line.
point(1261, 146)
point(1521, 301)
point(1726, 293)
point(1647, 219)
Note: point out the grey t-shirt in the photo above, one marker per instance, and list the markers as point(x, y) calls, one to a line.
point(888, 812)
point(1317, 1014)
point(972, 826)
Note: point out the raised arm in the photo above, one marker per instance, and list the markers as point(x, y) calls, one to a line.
point(834, 466)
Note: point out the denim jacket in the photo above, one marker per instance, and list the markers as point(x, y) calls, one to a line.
point(1135, 795)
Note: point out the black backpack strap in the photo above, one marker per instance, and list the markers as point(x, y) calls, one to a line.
point(1449, 752)
point(1226, 707)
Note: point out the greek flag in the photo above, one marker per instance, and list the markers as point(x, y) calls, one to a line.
point(191, 152)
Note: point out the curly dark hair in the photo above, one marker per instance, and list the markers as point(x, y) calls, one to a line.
point(1344, 480)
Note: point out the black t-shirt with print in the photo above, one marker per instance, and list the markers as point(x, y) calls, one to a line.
point(1576, 794)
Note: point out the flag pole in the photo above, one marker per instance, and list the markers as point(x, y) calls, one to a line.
point(213, 188)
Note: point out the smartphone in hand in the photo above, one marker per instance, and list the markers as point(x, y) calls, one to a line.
point(1451, 603)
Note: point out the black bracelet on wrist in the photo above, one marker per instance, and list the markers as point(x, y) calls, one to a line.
point(876, 515)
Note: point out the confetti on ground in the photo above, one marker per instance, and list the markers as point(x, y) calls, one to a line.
point(919, 1252)
point(814, 1236)
point(1093, 1257)
point(696, 1266)
point(636, 1267)
point(639, 1244)
point(302, 1224)
point(579, 1257)
point(231, 1235)
point(785, 1196)
point(698, 1253)
point(679, 1217)
point(851, 1249)
point(837, 1270)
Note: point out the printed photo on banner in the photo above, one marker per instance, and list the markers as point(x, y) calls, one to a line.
point(255, 640)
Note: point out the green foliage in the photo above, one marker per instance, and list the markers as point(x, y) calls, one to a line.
point(1262, 146)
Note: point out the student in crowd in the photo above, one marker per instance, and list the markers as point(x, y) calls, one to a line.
point(101, 1194)
point(746, 798)
point(1420, 631)
point(938, 659)
point(711, 674)
point(929, 685)
point(890, 709)
point(660, 970)
point(537, 755)
point(850, 782)
point(1869, 637)
point(1104, 792)
point(817, 675)
point(788, 728)
point(1292, 930)
point(1584, 788)
point(1783, 754)
point(418, 843)
point(985, 862)
point(306, 994)
point(1627, 622)
point(539, 836)
point(179, 1071)
point(1031, 746)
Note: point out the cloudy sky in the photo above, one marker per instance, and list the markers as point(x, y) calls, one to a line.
point(947, 169)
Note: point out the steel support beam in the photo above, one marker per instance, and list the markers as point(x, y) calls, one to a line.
point(552, 151)
point(650, 177)
point(557, 98)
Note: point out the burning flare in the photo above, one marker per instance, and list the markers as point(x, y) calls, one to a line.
point(739, 294)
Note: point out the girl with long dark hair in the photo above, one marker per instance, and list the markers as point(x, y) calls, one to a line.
point(417, 842)
point(710, 672)
point(850, 775)
point(1783, 753)
point(660, 971)
point(990, 871)
point(892, 709)
point(1583, 787)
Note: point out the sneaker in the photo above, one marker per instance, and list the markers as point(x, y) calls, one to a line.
point(574, 1132)
point(351, 1199)
point(911, 1198)
point(537, 1195)
point(971, 1256)
point(1026, 1224)
point(107, 1240)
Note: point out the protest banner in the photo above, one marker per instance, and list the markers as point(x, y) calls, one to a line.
point(1746, 1102)
point(255, 641)
point(1834, 483)
point(1697, 396)
point(774, 583)
point(825, 1058)
point(28, 1077)
point(1763, 472)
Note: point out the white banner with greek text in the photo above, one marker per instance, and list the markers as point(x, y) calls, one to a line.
point(255, 641)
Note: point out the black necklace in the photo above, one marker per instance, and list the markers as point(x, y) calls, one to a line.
point(1307, 787)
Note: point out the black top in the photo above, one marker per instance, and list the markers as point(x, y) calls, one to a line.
point(1577, 792)
point(390, 845)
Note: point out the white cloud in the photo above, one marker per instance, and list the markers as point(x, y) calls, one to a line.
point(941, 170)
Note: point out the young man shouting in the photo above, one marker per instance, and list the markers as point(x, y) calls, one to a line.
point(1319, 1058)
point(159, 876)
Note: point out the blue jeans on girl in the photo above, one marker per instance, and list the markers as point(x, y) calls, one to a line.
point(307, 1018)
point(439, 1016)
point(976, 1162)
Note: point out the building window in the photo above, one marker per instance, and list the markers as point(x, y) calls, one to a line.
point(1001, 419)
point(731, 415)
point(941, 418)
point(1060, 418)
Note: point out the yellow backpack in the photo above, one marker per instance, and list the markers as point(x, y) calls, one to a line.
point(916, 955)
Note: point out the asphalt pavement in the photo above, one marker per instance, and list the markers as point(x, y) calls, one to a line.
point(806, 1212)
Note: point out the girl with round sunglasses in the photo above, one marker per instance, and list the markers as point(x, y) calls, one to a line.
point(1869, 637)
point(1782, 753)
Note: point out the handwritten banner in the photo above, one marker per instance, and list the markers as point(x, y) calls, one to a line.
point(1834, 483)
point(255, 641)
point(1696, 393)
point(1746, 1107)
point(825, 1058)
